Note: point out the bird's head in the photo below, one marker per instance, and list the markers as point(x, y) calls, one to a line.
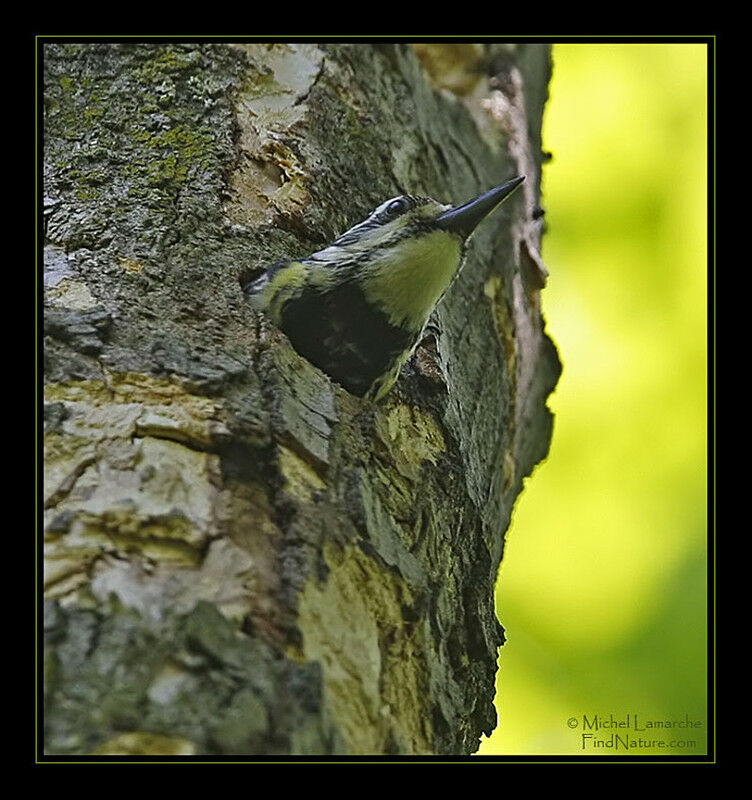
point(406, 253)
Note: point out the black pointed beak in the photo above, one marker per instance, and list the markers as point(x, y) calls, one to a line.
point(465, 218)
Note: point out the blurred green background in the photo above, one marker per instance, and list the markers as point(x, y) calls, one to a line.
point(602, 590)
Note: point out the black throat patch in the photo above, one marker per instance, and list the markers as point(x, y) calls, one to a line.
point(344, 336)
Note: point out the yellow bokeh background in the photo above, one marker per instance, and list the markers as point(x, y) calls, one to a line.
point(602, 590)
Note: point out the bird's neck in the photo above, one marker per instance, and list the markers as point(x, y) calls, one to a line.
point(410, 278)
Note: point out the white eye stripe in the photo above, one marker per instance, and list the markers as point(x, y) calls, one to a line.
point(403, 202)
point(383, 207)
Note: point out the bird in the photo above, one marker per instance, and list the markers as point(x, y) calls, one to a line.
point(357, 308)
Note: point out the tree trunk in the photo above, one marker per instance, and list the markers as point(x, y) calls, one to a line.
point(241, 557)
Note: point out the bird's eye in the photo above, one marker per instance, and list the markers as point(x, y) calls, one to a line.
point(396, 207)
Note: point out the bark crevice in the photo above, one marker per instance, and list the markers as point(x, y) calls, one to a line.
point(242, 558)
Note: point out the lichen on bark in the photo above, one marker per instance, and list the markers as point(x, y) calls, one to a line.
point(241, 557)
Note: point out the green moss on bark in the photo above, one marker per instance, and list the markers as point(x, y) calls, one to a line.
point(170, 170)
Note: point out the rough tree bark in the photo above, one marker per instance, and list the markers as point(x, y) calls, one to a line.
point(241, 557)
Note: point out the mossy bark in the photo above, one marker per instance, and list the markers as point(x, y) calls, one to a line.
point(240, 557)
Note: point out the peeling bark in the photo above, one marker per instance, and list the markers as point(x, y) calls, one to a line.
point(241, 557)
